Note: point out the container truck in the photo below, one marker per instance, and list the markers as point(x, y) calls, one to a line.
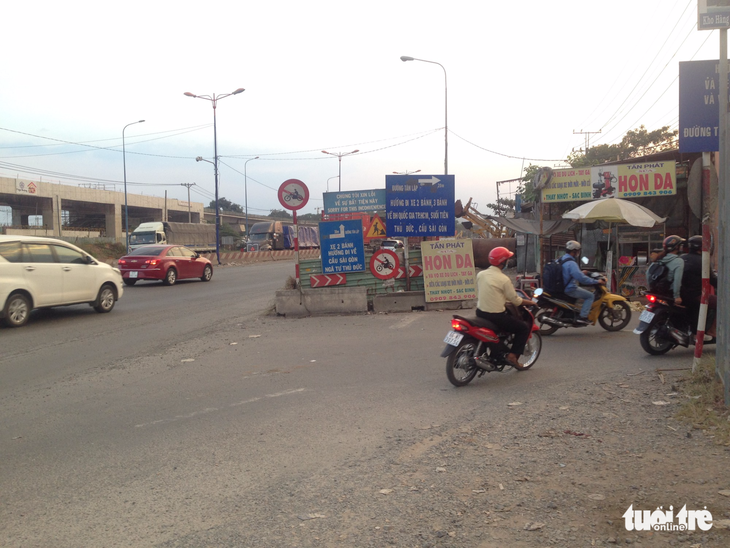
point(199, 237)
point(275, 235)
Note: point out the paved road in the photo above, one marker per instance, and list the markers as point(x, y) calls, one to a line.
point(210, 414)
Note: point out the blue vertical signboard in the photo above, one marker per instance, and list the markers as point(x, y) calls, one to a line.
point(421, 206)
point(341, 246)
point(699, 106)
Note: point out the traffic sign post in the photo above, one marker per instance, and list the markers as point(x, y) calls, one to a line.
point(294, 195)
point(341, 246)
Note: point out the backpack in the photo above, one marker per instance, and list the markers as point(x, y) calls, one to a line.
point(552, 276)
point(657, 278)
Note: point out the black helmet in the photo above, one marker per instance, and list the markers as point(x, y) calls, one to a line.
point(672, 243)
point(695, 244)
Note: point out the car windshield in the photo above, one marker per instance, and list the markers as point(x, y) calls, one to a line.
point(149, 250)
point(142, 237)
point(259, 237)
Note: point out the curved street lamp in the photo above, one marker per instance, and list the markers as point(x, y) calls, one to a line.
point(214, 100)
point(124, 161)
point(405, 58)
point(328, 181)
point(245, 190)
point(339, 158)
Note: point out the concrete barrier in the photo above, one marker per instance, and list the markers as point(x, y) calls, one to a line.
point(312, 302)
point(244, 257)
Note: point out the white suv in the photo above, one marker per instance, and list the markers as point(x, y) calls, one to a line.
point(38, 272)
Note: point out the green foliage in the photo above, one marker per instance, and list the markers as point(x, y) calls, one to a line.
point(280, 214)
point(636, 143)
point(228, 230)
point(226, 205)
point(310, 217)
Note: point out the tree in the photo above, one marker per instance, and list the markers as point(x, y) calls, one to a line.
point(280, 213)
point(636, 143)
point(226, 205)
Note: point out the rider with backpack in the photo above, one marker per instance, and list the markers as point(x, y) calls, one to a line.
point(670, 280)
point(572, 276)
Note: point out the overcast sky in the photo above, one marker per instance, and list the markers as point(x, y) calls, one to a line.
point(523, 78)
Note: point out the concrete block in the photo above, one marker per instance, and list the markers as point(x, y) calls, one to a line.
point(327, 300)
point(402, 301)
point(451, 305)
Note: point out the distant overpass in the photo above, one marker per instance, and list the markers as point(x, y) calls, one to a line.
point(91, 211)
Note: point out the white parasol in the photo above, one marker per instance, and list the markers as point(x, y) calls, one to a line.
point(614, 210)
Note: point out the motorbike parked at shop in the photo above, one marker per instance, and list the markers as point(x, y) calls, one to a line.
point(475, 346)
point(665, 325)
point(611, 311)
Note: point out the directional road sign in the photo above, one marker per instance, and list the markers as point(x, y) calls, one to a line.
point(419, 205)
point(325, 280)
point(341, 246)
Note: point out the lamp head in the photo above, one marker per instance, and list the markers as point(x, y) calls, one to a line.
point(239, 90)
point(188, 94)
point(405, 58)
point(198, 159)
point(140, 121)
point(354, 151)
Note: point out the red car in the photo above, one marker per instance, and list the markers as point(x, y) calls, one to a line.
point(168, 263)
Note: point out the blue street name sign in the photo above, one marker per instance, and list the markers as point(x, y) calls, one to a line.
point(341, 246)
point(699, 106)
point(354, 202)
point(419, 205)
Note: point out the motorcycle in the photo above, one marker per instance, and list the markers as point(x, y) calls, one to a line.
point(476, 346)
point(664, 325)
point(611, 311)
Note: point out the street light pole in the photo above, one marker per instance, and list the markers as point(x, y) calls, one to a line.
point(405, 58)
point(245, 191)
point(124, 162)
point(328, 181)
point(214, 100)
point(339, 157)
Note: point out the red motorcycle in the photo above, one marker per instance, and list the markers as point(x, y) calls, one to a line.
point(475, 346)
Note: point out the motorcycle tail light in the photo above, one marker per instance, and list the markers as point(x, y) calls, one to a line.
point(457, 325)
point(651, 298)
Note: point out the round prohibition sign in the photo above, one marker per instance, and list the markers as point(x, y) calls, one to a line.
point(384, 264)
point(293, 194)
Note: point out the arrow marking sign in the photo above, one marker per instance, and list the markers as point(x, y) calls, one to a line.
point(432, 181)
point(323, 280)
point(414, 271)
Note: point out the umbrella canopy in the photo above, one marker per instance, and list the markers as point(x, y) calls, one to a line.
point(614, 210)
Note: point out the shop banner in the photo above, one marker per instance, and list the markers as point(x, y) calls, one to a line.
point(617, 181)
point(448, 270)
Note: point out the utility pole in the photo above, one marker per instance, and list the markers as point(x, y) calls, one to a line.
point(190, 218)
point(588, 136)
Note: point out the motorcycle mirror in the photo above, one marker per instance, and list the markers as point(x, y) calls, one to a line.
point(537, 292)
point(584, 260)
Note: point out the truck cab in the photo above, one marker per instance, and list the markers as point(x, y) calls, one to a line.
point(147, 233)
point(266, 236)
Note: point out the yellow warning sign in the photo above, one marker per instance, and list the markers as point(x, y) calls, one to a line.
point(377, 228)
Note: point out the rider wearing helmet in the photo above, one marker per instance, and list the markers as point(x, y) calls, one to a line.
point(671, 246)
point(572, 276)
point(691, 289)
point(494, 289)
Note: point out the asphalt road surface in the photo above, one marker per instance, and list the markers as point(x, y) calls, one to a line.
point(193, 409)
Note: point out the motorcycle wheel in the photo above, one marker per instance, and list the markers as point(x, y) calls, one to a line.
point(460, 366)
point(531, 352)
point(652, 344)
point(616, 318)
point(545, 328)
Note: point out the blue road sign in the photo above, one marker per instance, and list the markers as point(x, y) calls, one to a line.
point(341, 246)
point(355, 201)
point(419, 205)
point(699, 106)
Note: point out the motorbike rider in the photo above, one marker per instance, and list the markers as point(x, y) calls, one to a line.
point(572, 276)
point(671, 246)
point(691, 289)
point(494, 289)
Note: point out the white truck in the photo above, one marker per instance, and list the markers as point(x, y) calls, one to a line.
point(199, 237)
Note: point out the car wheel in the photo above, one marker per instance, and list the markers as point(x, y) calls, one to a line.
point(170, 277)
point(127, 281)
point(106, 299)
point(17, 310)
point(207, 273)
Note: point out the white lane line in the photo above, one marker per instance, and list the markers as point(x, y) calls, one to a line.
point(213, 409)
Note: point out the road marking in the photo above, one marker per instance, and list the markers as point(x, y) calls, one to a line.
point(213, 409)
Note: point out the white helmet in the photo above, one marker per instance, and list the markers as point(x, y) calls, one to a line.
point(572, 245)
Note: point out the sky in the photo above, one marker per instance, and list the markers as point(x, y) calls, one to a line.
point(519, 83)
